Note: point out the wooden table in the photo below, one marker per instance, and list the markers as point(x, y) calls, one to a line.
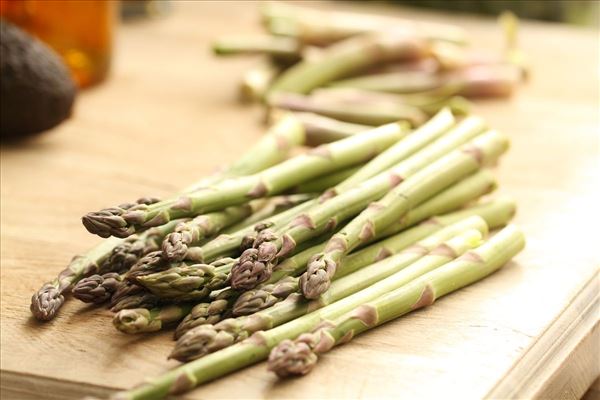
point(168, 115)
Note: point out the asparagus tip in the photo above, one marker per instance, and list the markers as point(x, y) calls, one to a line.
point(291, 358)
point(317, 278)
point(97, 288)
point(46, 302)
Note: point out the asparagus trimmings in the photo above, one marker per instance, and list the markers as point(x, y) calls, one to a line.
point(350, 56)
point(299, 357)
point(324, 27)
point(141, 320)
point(320, 161)
point(207, 338)
point(287, 48)
point(367, 114)
point(483, 150)
point(255, 264)
point(175, 245)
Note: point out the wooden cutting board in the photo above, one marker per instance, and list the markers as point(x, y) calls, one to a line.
point(168, 114)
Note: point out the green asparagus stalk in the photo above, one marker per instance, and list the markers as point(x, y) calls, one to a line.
point(257, 347)
point(143, 320)
point(324, 159)
point(320, 129)
point(300, 356)
point(364, 114)
point(486, 80)
point(427, 133)
point(325, 27)
point(255, 82)
point(484, 150)
point(430, 104)
point(348, 57)
point(255, 264)
point(276, 46)
point(205, 339)
point(194, 232)
point(97, 288)
point(279, 287)
point(323, 183)
point(271, 149)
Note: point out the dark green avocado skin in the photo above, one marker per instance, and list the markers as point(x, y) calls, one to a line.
point(36, 90)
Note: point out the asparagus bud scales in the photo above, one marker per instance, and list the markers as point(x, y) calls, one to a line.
point(322, 160)
point(423, 291)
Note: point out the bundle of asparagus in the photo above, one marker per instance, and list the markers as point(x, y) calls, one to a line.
point(368, 70)
point(368, 225)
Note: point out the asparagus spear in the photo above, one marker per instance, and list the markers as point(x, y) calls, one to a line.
point(97, 288)
point(300, 356)
point(271, 149)
point(459, 194)
point(255, 82)
point(205, 339)
point(186, 282)
point(142, 299)
point(348, 57)
point(429, 103)
point(486, 80)
point(194, 232)
point(142, 320)
point(324, 27)
point(276, 46)
point(320, 129)
point(484, 150)
point(364, 114)
point(257, 347)
point(321, 161)
point(323, 183)
point(255, 264)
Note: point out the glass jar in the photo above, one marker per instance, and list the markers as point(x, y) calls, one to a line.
point(81, 31)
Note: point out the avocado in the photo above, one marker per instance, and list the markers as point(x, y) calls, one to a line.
point(36, 89)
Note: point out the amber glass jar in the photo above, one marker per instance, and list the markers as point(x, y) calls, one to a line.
point(81, 31)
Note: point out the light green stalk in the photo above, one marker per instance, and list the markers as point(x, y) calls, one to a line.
point(348, 57)
point(300, 356)
point(208, 338)
point(278, 47)
point(320, 129)
point(320, 161)
point(257, 347)
point(484, 150)
point(255, 82)
point(323, 27)
point(142, 320)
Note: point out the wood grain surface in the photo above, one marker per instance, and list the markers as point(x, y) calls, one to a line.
point(168, 114)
